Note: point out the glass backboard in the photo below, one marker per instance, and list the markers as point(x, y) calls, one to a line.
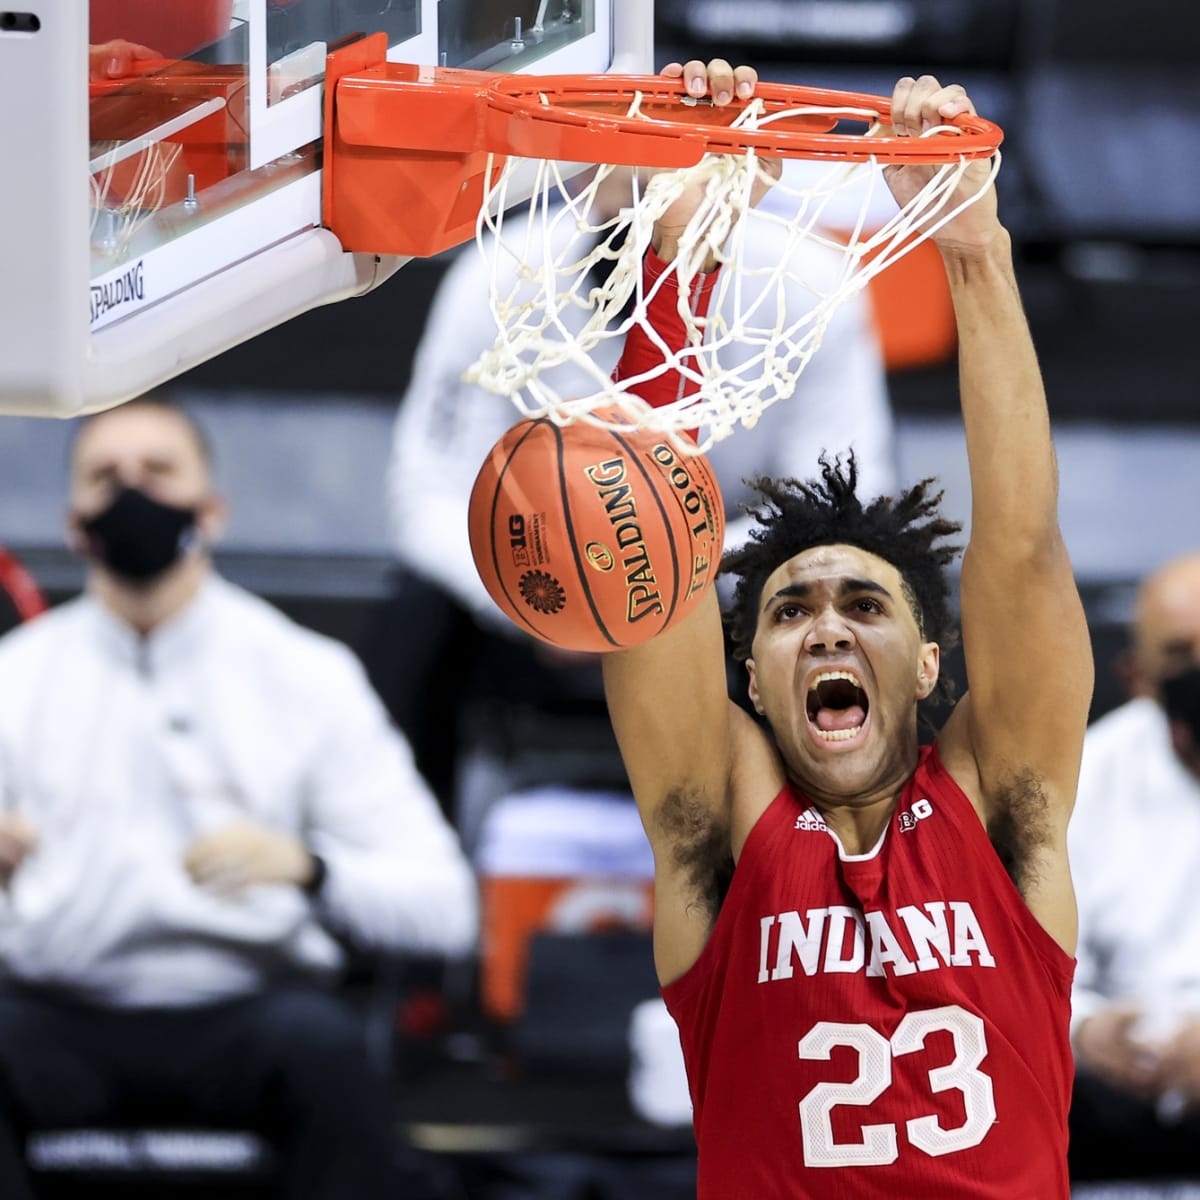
point(168, 198)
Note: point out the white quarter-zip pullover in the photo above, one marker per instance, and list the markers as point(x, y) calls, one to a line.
point(122, 749)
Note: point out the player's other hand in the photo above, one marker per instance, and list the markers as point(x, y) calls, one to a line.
point(116, 59)
point(18, 839)
point(716, 79)
point(919, 105)
point(723, 84)
point(1106, 1045)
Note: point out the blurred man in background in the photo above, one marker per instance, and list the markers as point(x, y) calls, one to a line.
point(200, 801)
point(1135, 851)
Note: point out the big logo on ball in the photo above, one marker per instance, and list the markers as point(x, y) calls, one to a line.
point(594, 539)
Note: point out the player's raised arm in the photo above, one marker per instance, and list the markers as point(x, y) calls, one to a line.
point(668, 698)
point(1015, 742)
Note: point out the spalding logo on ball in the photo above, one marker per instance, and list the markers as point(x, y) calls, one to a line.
point(594, 539)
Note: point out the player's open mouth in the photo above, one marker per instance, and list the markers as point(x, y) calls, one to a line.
point(837, 706)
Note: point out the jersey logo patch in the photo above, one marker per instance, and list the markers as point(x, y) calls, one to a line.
point(918, 812)
point(810, 821)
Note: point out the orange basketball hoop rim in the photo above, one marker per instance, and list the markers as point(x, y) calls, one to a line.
point(407, 148)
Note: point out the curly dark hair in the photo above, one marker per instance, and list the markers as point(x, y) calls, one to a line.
point(906, 531)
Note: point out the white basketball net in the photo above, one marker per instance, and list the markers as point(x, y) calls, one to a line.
point(118, 213)
point(550, 313)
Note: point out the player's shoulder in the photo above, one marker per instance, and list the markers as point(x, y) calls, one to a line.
point(941, 770)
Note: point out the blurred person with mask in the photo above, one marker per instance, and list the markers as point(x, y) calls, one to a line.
point(200, 803)
point(1134, 843)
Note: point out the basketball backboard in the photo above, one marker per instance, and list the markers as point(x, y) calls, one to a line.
point(154, 219)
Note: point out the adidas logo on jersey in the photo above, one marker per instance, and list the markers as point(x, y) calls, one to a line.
point(810, 821)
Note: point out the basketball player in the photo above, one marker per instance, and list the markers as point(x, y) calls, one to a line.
point(867, 946)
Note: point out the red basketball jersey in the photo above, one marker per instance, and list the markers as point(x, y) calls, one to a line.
point(891, 1025)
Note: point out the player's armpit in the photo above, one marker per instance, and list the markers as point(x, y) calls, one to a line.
point(693, 865)
point(1025, 816)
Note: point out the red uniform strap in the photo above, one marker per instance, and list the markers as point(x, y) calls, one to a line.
point(642, 354)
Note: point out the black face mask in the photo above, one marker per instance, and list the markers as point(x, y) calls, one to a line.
point(137, 537)
point(1181, 699)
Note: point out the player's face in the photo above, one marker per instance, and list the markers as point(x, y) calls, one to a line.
point(838, 665)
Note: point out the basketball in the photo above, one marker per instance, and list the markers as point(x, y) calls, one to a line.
point(594, 539)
